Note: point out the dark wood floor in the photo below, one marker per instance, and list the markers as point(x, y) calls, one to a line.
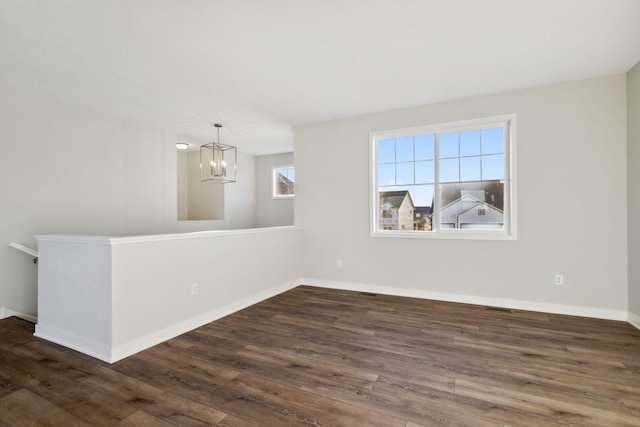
point(333, 358)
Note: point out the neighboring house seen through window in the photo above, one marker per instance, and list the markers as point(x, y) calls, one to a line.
point(284, 179)
point(451, 180)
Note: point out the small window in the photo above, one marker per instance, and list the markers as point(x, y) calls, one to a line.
point(454, 180)
point(284, 179)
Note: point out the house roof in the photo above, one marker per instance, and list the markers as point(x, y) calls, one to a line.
point(423, 210)
point(394, 198)
point(283, 179)
point(485, 204)
point(460, 200)
point(491, 192)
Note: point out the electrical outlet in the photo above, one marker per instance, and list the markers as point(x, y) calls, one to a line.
point(339, 263)
point(559, 279)
point(194, 289)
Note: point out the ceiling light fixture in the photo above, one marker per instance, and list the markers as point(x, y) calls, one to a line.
point(218, 162)
point(182, 145)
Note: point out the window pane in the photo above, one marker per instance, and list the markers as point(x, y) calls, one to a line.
point(404, 173)
point(284, 182)
point(448, 145)
point(287, 173)
point(472, 205)
point(493, 167)
point(470, 143)
point(404, 149)
point(291, 174)
point(492, 141)
point(405, 207)
point(387, 174)
point(425, 172)
point(449, 170)
point(470, 168)
point(424, 147)
point(422, 195)
point(387, 151)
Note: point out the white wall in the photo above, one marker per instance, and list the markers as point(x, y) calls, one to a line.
point(205, 200)
point(183, 184)
point(66, 169)
point(633, 190)
point(571, 171)
point(240, 196)
point(271, 212)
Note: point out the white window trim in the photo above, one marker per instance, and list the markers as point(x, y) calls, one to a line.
point(274, 196)
point(510, 224)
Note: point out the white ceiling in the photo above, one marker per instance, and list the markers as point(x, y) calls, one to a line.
point(262, 66)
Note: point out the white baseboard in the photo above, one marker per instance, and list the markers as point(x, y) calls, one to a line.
point(634, 320)
point(79, 343)
point(570, 310)
point(121, 351)
point(6, 312)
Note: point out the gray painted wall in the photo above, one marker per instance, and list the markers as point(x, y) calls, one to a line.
point(571, 203)
point(205, 200)
point(272, 212)
point(70, 170)
point(183, 184)
point(633, 191)
point(240, 196)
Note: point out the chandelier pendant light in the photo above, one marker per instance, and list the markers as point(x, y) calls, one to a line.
point(218, 162)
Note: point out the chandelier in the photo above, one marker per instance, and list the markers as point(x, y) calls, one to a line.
point(218, 162)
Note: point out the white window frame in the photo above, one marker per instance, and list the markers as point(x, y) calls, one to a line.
point(509, 231)
point(274, 174)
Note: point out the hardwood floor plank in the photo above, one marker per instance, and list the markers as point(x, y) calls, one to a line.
point(568, 381)
point(142, 419)
point(347, 354)
point(307, 408)
point(128, 390)
point(325, 368)
point(24, 408)
point(233, 421)
point(14, 332)
point(565, 411)
point(84, 402)
point(162, 404)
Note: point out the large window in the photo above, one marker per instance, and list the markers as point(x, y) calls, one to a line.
point(452, 180)
point(284, 179)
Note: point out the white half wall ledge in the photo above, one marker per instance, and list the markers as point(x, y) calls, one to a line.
point(22, 248)
point(124, 240)
point(569, 310)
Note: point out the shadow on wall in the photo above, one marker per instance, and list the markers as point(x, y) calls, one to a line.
point(197, 200)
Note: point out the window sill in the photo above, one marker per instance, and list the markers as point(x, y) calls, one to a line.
point(447, 235)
